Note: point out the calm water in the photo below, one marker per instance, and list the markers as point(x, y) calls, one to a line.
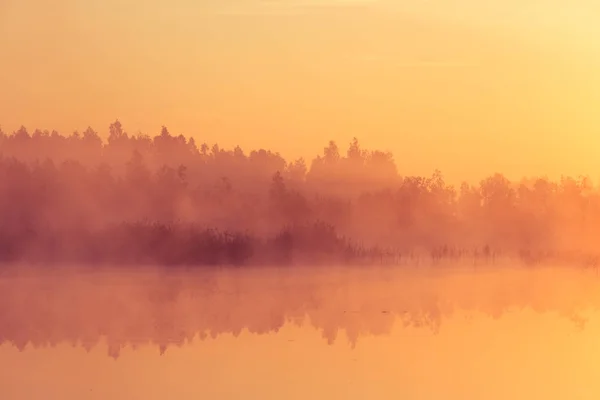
point(415, 333)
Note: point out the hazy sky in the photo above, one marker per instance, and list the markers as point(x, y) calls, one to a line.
point(467, 86)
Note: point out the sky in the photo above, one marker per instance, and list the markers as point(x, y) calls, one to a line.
point(470, 87)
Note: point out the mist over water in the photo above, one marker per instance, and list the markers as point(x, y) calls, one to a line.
point(155, 268)
point(325, 332)
point(163, 265)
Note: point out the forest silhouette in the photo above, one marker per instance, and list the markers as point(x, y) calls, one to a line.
point(168, 200)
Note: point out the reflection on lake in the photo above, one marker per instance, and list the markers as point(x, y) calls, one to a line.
point(411, 333)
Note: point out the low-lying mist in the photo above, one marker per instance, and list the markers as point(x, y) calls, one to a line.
point(167, 201)
point(127, 240)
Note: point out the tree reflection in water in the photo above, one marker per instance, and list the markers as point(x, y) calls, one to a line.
point(150, 307)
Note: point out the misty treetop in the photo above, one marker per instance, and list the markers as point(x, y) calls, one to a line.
point(73, 197)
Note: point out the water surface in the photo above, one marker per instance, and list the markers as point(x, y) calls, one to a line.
point(411, 333)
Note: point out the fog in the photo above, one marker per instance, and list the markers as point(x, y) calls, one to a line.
point(166, 200)
point(159, 255)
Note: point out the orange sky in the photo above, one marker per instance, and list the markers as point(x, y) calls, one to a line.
point(467, 86)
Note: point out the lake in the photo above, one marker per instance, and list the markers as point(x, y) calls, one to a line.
point(488, 332)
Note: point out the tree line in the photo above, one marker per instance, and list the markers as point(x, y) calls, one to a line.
point(137, 199)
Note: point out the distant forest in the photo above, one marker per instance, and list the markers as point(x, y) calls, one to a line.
point(170, 200)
